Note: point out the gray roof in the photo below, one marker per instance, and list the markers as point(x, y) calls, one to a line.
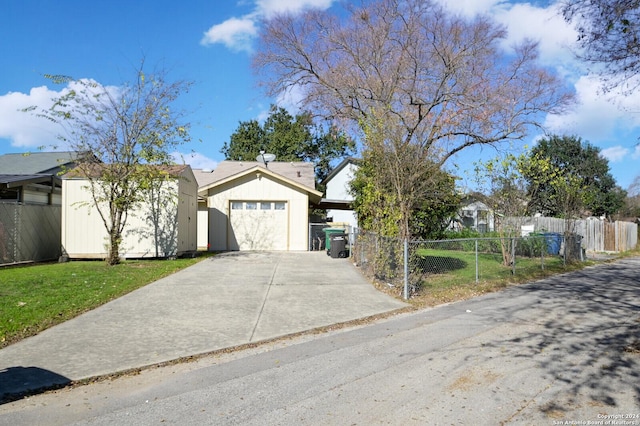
point(300, 172)
point(36, 162)
point(13, 181)
point(203, 177)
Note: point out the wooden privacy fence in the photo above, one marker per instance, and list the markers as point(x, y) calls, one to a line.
point(597, 235)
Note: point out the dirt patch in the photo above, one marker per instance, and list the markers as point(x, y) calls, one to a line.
point(473, 379)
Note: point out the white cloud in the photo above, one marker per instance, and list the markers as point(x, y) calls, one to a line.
point(25, 129)
point(28, 129)
point(195, 160)
point(269, 8)
point(615, 153)
point(636, 152)
point(471, 8)
point(236, 34)
point(544, 25)
point(596, 117)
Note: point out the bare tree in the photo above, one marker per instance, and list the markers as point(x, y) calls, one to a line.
point(429, 83)
point(129, 131)
point(609, 37)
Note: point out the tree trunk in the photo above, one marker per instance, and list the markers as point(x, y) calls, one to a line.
point(114, 248)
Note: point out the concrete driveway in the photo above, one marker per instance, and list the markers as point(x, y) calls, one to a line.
point(559, 351)
point(229, 300)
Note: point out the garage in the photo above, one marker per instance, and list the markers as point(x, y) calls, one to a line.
point(255, 206)
point(258, 225)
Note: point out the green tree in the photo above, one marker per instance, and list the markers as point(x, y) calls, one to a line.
point(290, 139)
point(581, 165)
point(392, 178)
point(130, 131)
point(433, 214)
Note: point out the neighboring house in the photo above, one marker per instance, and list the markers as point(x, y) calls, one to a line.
point(30, 199)
point(476, 215)
point(338, 198)
point(257, 207)
point(163, 226)
point(33, 177)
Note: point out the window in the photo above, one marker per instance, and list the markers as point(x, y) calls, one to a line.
point(9, 195)
point(265, 206)
point(279, 205)
point(251, 205)
point(236, 205)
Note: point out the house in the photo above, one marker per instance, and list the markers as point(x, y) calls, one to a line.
point(476, 215)
point(258, 206)
point(338, 197)
point(30, 200)
point(164, 225)
point(33, 177)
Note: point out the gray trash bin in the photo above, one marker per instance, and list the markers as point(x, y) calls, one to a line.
point(338, 245)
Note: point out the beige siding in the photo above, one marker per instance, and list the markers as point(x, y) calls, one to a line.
point(172, 226)
point(83, 232)
point(254, 188)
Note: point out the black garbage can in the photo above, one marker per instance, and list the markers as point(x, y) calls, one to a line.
point(338, 245)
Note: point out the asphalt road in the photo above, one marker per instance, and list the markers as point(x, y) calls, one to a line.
point(565, 349)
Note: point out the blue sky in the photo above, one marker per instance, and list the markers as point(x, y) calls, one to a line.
point(211, 42)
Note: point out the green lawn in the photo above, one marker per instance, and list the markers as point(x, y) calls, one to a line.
point(441, 269)
point(35, 297)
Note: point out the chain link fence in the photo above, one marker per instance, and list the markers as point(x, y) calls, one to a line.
point(414, 266)
point(29, 232)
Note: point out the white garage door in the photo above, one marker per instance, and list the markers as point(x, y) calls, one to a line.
point(258, 225)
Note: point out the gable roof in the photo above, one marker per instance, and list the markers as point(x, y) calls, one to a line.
point(36, 162)
point(339, 167)
point(300, 172)
point(297, 174)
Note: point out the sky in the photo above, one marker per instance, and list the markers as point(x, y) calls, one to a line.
point(211, 43)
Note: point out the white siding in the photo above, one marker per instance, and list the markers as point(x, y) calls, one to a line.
point(253, 188)
point(338, 189)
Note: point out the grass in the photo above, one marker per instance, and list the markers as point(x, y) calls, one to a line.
point(449, 275)
point(36, 297)
point(490, 266)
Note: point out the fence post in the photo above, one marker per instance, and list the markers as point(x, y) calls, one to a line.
point(476, 261)
point(543, 249)
point(513, 256)
point(406, 269)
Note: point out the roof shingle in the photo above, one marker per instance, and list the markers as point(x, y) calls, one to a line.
point(300, 172)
